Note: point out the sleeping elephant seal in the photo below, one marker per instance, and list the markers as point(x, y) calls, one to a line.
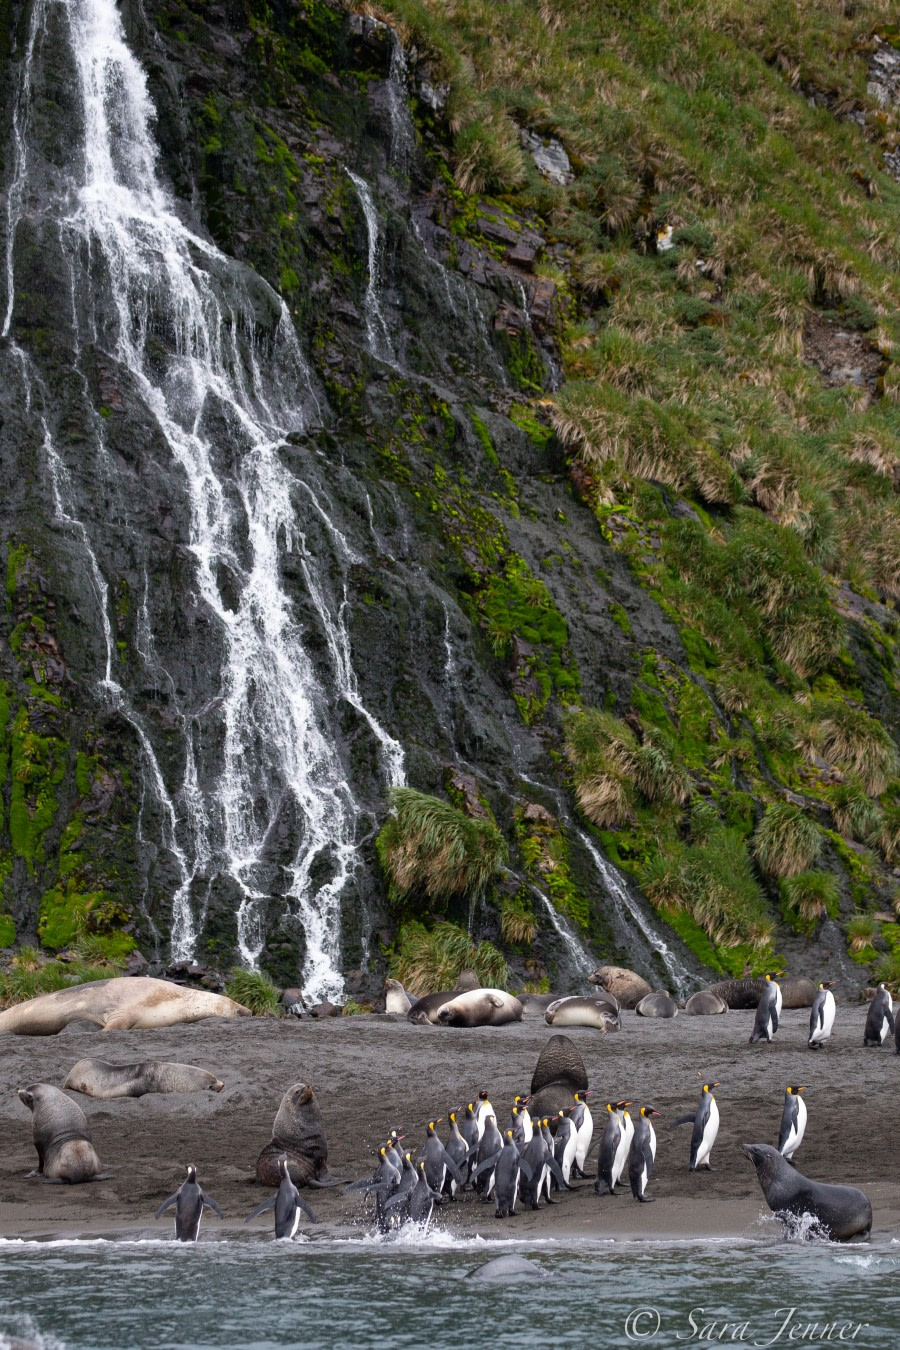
point(558, 1075)
point(396, 999)
point(62, 1136)
point(705, 1004)
point(96, 1078)
point(623, 984)
point(535, 1005)
point(582, 1012)
point(481, 1008)
point(299, 1135)
point(796, 991)
point(119, 1004)
point(426, 1008)
point(843, 1211)
point(659, 1004)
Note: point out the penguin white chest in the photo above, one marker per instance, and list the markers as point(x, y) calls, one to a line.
point(710, 1130)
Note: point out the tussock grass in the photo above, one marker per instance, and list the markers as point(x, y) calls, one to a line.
point(428, 960)
point(886, 834)
point(862, 930)
point(255, 990)
point(713, 882)
point(854, 813)
point(811, 895)
point(786, 842)
point(859, 745)
point(428, 847)
point(612, 771)
point(518, 923)
point(31, 974)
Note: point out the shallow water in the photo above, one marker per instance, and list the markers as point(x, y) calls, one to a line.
point(248, 1293)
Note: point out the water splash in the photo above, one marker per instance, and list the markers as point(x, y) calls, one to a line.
point(232, 362)
point(377, 332)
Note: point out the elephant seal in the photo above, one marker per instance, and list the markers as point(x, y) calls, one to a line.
point(396, 999)
point(426, 1008)
point(659, 1004)
point(508, 1268)
point(582, 1012)
point(481, 1008)
point(627, 987)
point(558, 1075)
point(796, 991)
point(61, 1135)
point(705, 1004)
point(535, 1005)
point(119, 1004)
point(843, 1211)
point(96, 1078)
point(298, 1134)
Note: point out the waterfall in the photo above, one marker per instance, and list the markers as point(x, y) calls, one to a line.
point(377, 333)
point(582, 963)
point(232, 361)
point(403, 136)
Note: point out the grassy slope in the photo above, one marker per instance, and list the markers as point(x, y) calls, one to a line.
point(685, 369)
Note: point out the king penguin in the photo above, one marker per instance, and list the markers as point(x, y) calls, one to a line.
point(643, 1155)
point(509, 1167)
point(766, 1021)
point(458, 1151)
point(188, 1200)
point(880, 1018)
point(584, 1129)
point(287, 1204)
point(793, 1123)
point(483, 1110)
point(706, 1127)
point(821, 1016)
point(610, 1145)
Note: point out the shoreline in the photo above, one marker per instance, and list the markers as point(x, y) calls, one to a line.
point(373, 1072)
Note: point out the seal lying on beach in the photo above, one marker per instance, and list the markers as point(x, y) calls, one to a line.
point(558, 1075)
point(627, 987)
point(705, 1004)
point(843, 1211)
point(796, 991)
point(61, 1135)
point(659, 1004)
point(480, 1008)
point(298, 1134)
point(96, 1078)
point(583, 1012)
point(119, 1004)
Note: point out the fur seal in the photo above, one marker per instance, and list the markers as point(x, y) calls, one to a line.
point(582, 1012)
point(96, 1078)
point(481, 1008)
point(61, 1135)
point(118, 1004)
point(659, 1004)
point(298, 1135)
point(558, 1075)
point(843, 1211)
point(627, 987)
point(396, 999)
point(705, 1004)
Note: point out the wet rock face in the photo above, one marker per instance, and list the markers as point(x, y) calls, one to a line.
point(417, 482)
point(549, 156)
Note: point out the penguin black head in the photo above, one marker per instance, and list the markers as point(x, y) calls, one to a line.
point(451, 1115)
point(283, 1165)
point(650, 1111)
point(580, 1096)
point(793, 1089)
point(483, 1095)
point(191, 1172)
point(509, 1134)
point(620, 1106)
point(708, 1087)
point(433, 1124)
point(826, 984)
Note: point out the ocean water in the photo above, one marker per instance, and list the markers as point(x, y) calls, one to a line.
point(250, 1293)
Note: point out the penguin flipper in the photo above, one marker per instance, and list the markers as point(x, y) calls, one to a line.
point(261, 1209)
point(683, 1120)
point(208, 1200)
point(166, 1204)
point(451, 1167)
point(301, 1203)
point(486, 1165)
point(555, 1170)
point(525, 1169)
point(325, 1183)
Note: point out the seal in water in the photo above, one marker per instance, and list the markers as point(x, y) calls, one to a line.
point(582, 1012)
point(843, 1211)
point(119, 1004)
point(508, 1268)
point(96, 1078)
point(61, 1135)
point(659, 1004)
point(287, 1204)
point(705, 1004)
point(480, 1008)
point(396, 999)
point(188, 1200)
point(623, 984)
point(298, 1134)
point(558, 1075)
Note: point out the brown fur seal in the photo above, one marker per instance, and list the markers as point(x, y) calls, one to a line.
point(796, 991)
point(659, 1004)
point(558, 1075)
point(582, 1012)
point(61, 1136)
point(96, 1078)
point(704, 1004)
point(299, 1135)
point(623, 984)
point(843, 1211)
point(480, 1008)
point(119, 1004)
point(396, 999)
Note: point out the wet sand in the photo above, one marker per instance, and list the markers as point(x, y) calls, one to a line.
point(370, 1073)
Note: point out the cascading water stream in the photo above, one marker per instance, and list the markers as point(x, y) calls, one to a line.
point(403, 136)
point(581, 962)
point(233, 361)
point(377, 332)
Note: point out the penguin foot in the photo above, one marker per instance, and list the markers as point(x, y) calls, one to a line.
point(646, 1199)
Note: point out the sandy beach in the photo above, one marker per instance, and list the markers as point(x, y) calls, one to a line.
point(370, 1073)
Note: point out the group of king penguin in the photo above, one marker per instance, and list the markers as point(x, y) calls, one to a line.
point(880, 1023)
